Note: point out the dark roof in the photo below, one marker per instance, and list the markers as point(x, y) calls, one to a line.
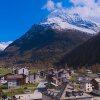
point(56, 94)
point(85, 81)
point(74, 93)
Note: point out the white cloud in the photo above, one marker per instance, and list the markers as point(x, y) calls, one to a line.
point(59, 5)
point(51, 5)
point(83, 2)
point(77, 2)
point(86, 8)
point(3, 45)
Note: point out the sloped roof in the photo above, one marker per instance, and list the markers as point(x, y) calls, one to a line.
point(15, 76)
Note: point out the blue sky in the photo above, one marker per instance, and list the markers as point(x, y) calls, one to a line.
point(17, 16)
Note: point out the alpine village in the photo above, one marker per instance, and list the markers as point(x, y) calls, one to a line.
point(56, 59)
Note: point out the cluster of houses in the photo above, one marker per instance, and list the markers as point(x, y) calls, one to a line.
point(54, 84)
point(18, 77)
point(60, 87)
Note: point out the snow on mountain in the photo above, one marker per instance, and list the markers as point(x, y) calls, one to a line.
point(61, 20)
point(3, 45)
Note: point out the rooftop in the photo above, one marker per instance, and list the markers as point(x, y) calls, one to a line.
point(66, 92)
point(14, 76)
point(55, 93)
point(97, 79)
point(70, 93)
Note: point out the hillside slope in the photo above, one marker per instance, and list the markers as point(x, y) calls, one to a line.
point(86, 54)
point(40, 45)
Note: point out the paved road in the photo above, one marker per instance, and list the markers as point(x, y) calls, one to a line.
point(37, 93)
point(96, 98)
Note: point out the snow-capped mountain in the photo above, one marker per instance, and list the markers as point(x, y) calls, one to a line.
point(3, 45)
point(62, 20)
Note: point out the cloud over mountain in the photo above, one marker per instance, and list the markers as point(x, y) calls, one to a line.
point(87, 8)
point(51, 5)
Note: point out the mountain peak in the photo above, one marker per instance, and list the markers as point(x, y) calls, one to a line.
point(3, 45)
point(63, 20)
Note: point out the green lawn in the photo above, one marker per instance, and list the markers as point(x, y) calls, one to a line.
point(73, 77)
point(13, 92)
point(33, 70)
point(21, 90)
point(4, 71)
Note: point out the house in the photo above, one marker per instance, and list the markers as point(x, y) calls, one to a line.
point(42, 74)
point(23, 71)
point(14, 80)
point(62, 73)
point(53, 93)
point(35, 78)
point(32, 78)
point(89, 71)
point(58, 76)
point(96, 86)
point(86, 85)
point(65, 92)
point(96, 83)
point(80, 78)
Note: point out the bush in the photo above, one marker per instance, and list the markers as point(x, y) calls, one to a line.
point(25, 88)
point(3, 87)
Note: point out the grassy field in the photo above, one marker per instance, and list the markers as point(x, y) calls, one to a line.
point(73, 77)
point(4, 71)
point(33, 70)
point(20, 90)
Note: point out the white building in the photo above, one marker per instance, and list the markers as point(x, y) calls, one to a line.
point(23, 71)
point(14, 80)
point(86, 86)
point(96, 86)
point(89, 71)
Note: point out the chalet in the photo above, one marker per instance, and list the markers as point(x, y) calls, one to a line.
point(58, 76)
point(14, 80)
point(96, 86)
point(23, 71)
point(86, 85)
point(96, 83)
